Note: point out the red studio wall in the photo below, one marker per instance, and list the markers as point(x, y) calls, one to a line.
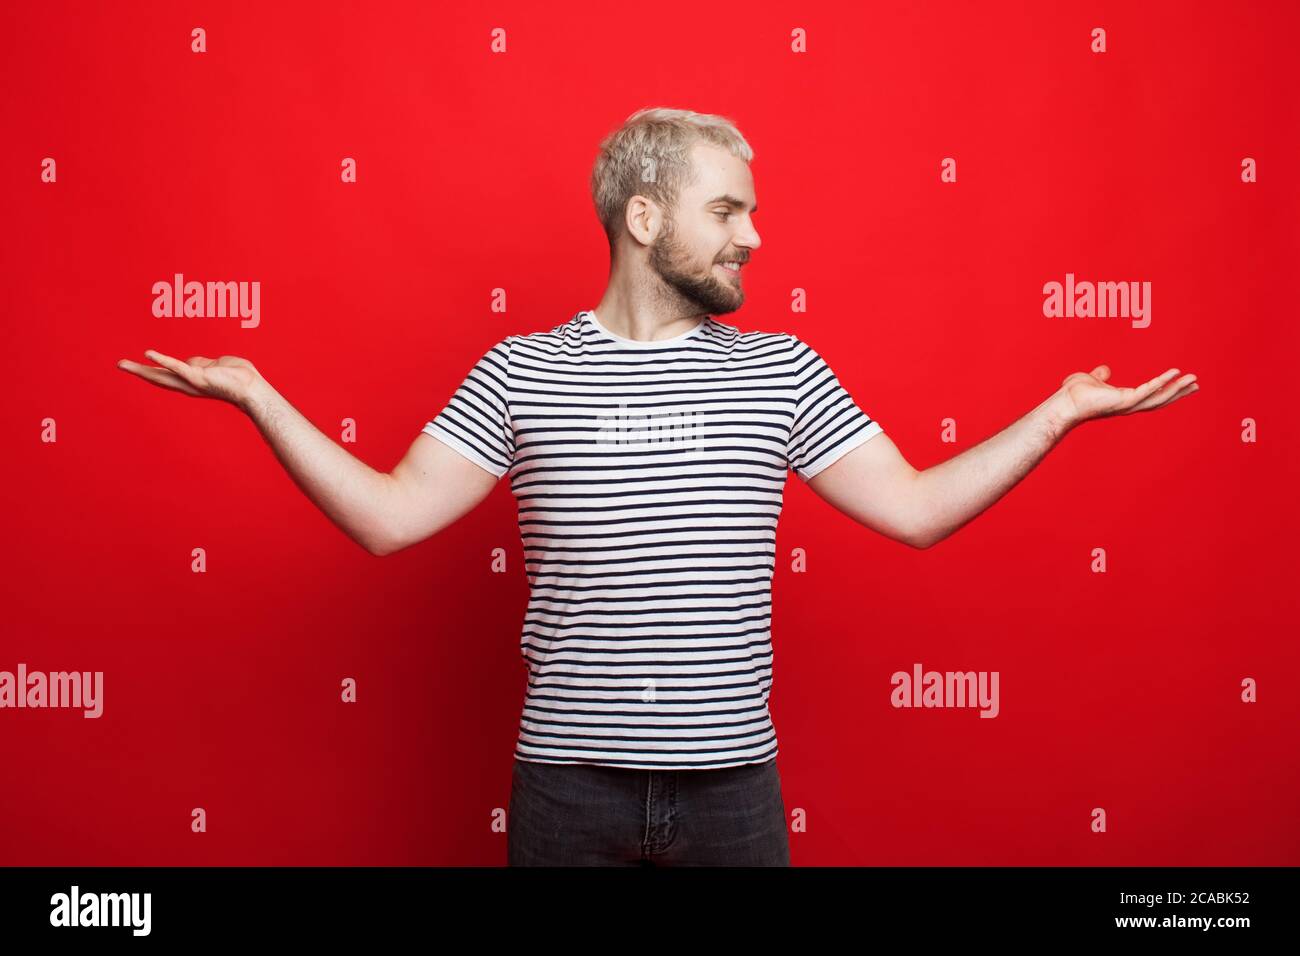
point(923, 171)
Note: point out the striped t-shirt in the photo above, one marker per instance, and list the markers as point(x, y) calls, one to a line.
point(649, 479)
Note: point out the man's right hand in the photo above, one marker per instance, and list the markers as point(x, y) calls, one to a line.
point(228, 378)
point(430, 488)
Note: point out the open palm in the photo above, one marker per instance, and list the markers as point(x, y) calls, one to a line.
point(228, 378)
point(1090, 396)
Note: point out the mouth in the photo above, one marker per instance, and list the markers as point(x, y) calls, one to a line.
point(730, 268)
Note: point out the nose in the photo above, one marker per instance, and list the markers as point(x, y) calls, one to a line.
point(748, 237)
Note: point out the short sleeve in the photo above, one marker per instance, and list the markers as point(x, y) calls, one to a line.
point(828, 424)
point(476, 421)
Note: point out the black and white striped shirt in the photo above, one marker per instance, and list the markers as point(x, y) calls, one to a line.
point(649, 479)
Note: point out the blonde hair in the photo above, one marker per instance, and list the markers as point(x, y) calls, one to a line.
point(649, 155)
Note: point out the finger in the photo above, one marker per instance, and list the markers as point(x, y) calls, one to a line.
point(159, 376)
point(166, 361)
point(1147, 388)
point(187, 372)
point(1151, 405)
point(1157, 398)
point(1166, 394)
point(1101, 372)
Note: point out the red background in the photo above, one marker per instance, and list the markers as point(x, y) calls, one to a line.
point(1118, 690)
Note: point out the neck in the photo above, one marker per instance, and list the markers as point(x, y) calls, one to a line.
point(645, 311)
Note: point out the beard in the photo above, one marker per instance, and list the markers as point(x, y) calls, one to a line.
point(702, 290)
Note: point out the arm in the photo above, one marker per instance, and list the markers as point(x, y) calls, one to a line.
point(875, 486)
point(428, 490)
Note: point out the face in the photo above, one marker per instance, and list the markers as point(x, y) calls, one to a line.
point(711, 226)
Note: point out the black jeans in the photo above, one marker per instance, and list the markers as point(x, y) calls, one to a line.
point(588, 815)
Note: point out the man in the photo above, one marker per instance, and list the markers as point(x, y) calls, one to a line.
point(648, 446)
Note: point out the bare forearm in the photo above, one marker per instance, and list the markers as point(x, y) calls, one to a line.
point(353, 495)
point(954, 492)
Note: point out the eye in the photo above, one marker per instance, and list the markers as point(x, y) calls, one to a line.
point(723, 213)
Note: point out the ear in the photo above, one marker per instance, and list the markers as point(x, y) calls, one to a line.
point(644, 219)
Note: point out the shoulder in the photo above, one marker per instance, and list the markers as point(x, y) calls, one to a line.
point(547, 341)
point(724, 331)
